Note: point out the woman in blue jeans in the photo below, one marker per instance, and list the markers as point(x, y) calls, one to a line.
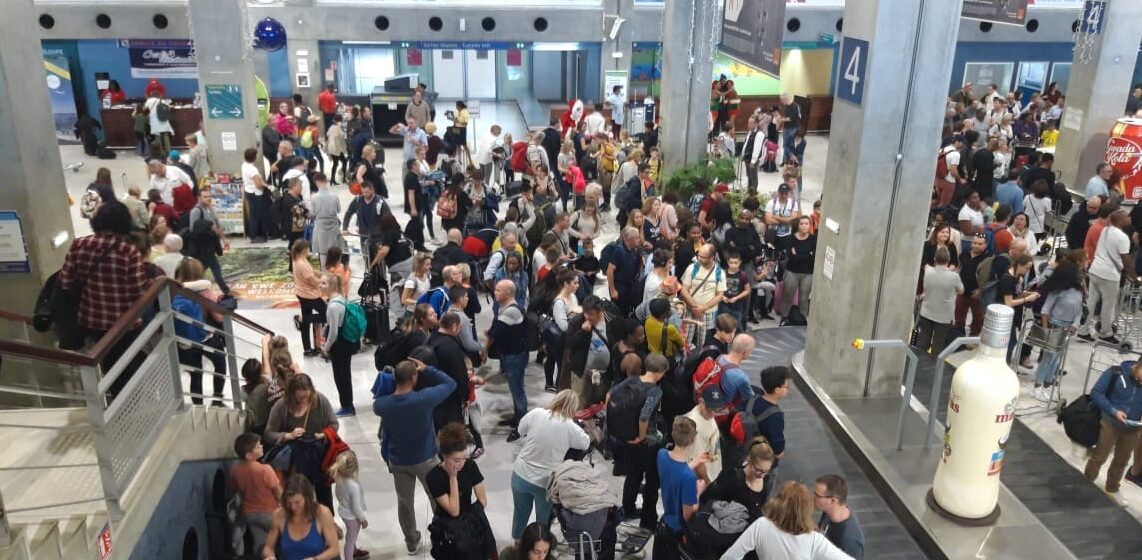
point(547, 435)
point(1063, 309)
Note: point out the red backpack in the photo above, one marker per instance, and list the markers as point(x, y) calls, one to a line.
point(709, 374)
point(519, 157)
point(942, 165)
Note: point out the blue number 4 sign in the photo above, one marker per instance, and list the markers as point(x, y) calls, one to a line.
point(854, 59)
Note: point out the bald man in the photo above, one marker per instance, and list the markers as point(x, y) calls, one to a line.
point(506, 337)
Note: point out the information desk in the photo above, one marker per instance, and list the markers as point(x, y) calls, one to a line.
point(119, 129)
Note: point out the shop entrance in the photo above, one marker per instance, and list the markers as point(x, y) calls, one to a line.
point(464, 74)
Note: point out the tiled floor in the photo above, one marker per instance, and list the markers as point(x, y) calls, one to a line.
point(383, 536)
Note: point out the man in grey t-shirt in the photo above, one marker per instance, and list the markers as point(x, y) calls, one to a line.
point(941, 286)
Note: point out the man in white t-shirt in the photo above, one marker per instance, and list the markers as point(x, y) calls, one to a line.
point(971, 216)
point(703, 284)
point(166, 177)
point(709, 439)
point(595, 122)
point(782, 212)
point(1111, 260)
point(618, 102)
point(257, 198)
point(489, 142)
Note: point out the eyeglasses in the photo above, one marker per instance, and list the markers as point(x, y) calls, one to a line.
point(820, 497)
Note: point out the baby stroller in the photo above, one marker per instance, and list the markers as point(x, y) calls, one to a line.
point(592, 536)
point(591, 531)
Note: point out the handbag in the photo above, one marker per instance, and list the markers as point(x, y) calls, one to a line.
point(549, 329)
point(63, 306)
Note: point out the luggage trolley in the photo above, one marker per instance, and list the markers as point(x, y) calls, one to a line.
point(1048, 339)
point(1128, 322)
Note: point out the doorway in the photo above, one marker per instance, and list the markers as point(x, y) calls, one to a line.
point(464, 74)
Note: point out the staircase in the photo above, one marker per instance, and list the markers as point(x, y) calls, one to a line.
point(80, 466)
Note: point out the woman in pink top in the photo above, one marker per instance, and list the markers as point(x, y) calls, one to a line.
point(307, 288)
point(668, 217)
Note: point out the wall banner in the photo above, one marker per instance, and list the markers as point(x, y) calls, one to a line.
point(751, 32)
point(997, 11)
point(161, 58)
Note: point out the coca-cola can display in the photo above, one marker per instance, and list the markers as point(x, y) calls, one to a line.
point(1124, 153)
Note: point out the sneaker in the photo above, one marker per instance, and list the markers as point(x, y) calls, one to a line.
point(1027, 363)
point(514, 435)
point(1110, 340)
point(1135, 479)
point(1085, 338)
point(1118, 499)
point(551, 389)
point(343, 412)
point(360, 553)
point(414, 546)
point(297, 322)
point(476, 453)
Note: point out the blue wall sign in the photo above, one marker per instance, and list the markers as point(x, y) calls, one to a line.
point(1094, 12)
point(464, 45)
point(224, 101)
point(851, 78)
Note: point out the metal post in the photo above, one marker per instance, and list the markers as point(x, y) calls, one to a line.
point(5, 530)
point(104, 449)
point(938, 382)
point(909, 379)
point(232, 361)
point(168, 338)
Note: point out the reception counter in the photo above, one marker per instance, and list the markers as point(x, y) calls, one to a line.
point(119, 130)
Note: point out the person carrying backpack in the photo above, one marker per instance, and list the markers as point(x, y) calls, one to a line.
point(345, 325)
point(760, 416)
point(1118, 394)
point(632, 410)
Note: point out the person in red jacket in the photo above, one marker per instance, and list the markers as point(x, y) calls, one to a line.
point(578, 182)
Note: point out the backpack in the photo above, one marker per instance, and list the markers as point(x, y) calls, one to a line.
point(983, 272)
point(307, 138)
point(438, 298)
point(708, 374)
point(623, 410)
point(590, 168)
point(695, 203)
point(748, 424)
point(607, 254)
point(795, 318)
point(447, 206)
point(677, 386)
point(354, 324)
point(942, 165)
point(1080, 419)
point(391, 351)
point(535, 233)
point(88, 203)
point(163, 111)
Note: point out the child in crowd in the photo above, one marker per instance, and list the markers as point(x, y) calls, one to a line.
point(350, 501)
point(260, 489)
point(661, 336)
point(680, 488)
point(1050, 136)
point(736, 296)
point(334, 264)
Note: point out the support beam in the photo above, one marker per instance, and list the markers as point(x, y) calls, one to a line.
point(687, 72)
point(882, 157)
point(1096, 94)
point(34, 185)
point(223, 36)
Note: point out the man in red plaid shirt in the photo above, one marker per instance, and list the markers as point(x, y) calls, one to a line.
point(111, 272)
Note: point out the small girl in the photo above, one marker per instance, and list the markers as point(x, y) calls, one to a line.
point(334, 265)
point(350, 501)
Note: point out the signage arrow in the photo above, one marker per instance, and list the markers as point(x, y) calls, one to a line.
point(214, 112)
point(236, 112)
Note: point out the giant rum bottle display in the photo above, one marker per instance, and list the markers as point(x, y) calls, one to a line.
point(981, 408)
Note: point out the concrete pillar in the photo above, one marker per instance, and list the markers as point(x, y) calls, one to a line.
point(687, 72)
point(303, 59)
point(878, 182)
point(223, 36)
point(1096, 94)
point(617, 51)
point(34, 184)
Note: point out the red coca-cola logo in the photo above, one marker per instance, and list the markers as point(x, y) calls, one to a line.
point(1124, 154)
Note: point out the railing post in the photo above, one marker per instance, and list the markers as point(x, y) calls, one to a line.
point(168, 338)
point(104, 447)
point(232, 362)
point(938, 382)
point(909, 379)
point(5, 530)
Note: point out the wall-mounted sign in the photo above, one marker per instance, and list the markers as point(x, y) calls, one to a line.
point(172, 59)
point(854, 60)
point(751, 32)
point(464, 45)
point(224, 101)
point(13, 246)
point(997, 11)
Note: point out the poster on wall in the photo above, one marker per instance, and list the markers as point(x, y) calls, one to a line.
point(996, 11)
point(751, 32)
point(62, 97)
point(161, 58)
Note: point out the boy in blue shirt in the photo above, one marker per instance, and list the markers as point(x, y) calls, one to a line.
point(680, 489)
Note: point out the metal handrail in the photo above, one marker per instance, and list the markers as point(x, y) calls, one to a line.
point(909, 379)
point(126, 322)
point(938, 382)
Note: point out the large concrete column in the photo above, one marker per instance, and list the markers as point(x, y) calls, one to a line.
point(223, 35)
point(303, 59)
point(878, 182)
point(687, 69)
point(33, 184)
point(1096, 94)
point(617, 51)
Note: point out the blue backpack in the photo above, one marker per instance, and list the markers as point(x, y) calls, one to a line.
point(438, 299)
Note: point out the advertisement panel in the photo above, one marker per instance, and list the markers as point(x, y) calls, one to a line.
point(161, 58)
point(751, 32)
point(997, 11)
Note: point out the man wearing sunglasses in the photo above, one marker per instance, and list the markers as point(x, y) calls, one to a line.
point(837, 522)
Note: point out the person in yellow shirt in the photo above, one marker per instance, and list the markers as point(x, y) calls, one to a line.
point(661, 336)
point(1050, 136)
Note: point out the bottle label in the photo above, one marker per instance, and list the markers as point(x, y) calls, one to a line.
point(995, 338)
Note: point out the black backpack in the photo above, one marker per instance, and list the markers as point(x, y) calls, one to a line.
point(163, 111)
point(391, 351)
point(623, 410)
point(750, 422)
point(794, 318)
point(678, 386)
point(1080, 418)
